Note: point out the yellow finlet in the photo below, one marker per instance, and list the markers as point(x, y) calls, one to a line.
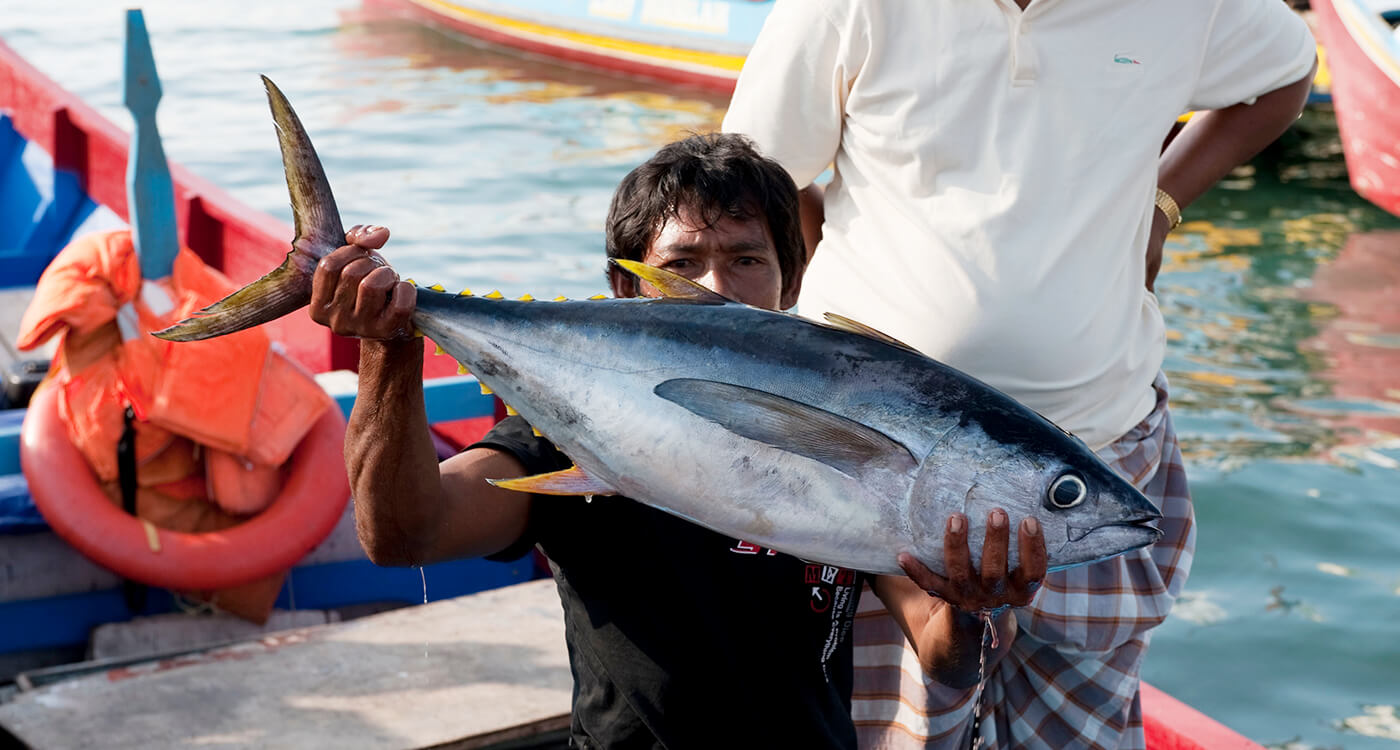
point(561, 298)
point(496, 294)
point(571, 481)
point(669, 284)
point(437, 288)
point(511, 412)
point(465, 293)
point(417, 333)
point(535, 431)
point(411, 281)
point(526, 298)
point(438, 350)
point(462, 369)
point(599, 296)
point(485, 389)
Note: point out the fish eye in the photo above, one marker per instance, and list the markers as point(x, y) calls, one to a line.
point(1067, 491)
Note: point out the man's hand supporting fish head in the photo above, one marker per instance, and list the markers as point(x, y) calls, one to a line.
point(947, 627)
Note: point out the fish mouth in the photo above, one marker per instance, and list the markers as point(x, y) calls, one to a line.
point(1105, 541)
point(1133, 527)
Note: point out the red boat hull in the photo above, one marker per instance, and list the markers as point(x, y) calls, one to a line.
point(1364, 57)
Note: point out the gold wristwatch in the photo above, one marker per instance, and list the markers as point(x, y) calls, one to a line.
point(1168, 205)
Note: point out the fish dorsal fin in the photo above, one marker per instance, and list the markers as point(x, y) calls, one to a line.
point(669, 284)
point(854, 326)
point(570, 481)
point(844, 444)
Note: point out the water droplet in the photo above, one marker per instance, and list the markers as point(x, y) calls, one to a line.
point(424, 576)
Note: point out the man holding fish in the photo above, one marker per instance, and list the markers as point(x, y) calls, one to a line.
point(659, 611)
point(770, 460)
point(1000, 197)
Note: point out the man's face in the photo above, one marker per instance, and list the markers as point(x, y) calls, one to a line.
point(734, 257)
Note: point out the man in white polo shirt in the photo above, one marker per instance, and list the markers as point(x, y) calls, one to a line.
point(1000, 201)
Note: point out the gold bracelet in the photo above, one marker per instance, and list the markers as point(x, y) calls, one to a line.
point(1169, 207)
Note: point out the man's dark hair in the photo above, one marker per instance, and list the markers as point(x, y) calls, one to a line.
point(714, 175)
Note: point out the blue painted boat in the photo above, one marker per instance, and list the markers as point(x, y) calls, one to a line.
point(63, 173)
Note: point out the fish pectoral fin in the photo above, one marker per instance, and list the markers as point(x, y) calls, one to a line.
point(669, 284)
point(570, 481)
point(842, 443)
point(854, 326)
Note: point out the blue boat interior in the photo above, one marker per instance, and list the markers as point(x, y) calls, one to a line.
point(66, 621)
point(43, 208)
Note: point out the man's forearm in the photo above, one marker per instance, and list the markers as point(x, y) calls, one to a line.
point(1215, 142)
point(390, 457)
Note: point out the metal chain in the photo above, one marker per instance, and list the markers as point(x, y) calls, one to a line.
point(989, 639)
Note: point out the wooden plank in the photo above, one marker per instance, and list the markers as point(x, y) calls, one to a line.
point(465, 672)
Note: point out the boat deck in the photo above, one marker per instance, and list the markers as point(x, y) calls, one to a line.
point(477, 671)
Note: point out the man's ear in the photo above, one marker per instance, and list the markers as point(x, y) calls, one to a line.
point(623, 284)
point(792, 286)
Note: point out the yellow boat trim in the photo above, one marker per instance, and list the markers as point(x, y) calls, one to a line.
point(693, 60)
point(1323, 79)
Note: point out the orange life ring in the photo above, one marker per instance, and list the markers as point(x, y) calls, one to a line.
point(66, 492)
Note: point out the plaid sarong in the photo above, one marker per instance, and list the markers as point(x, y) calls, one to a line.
point(1071, 677)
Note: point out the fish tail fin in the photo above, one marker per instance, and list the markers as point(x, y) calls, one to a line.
point(318, 232)
point(283, 290)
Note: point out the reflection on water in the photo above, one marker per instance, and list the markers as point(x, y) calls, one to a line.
point(494, 169)
point(1285, 606)
point(1282, 300)
point(1273, 293)
point(1199, 608)
point(1359, 338)
point(643, 115)
point(1377, 721)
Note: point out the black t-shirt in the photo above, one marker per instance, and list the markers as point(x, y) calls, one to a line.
point(680, 637)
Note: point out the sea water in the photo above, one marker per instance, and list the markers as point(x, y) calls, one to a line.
point(1281, 294)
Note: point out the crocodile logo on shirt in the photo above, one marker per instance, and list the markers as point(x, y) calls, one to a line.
point(1123, 59)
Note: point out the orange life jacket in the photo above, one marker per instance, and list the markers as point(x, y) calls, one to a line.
point(215, 420)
